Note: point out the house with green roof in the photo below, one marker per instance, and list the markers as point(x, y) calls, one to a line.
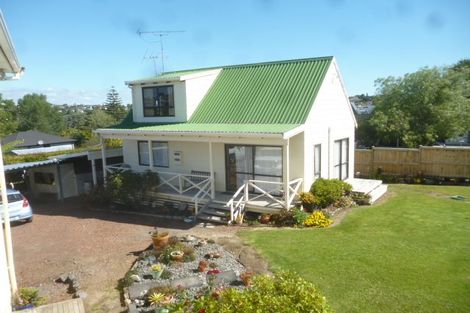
point(240, 137)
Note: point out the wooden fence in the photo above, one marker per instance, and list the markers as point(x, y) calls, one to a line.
point(425, 161)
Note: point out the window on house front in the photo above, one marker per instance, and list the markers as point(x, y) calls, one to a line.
point(158, 101)
point(159, 153)
point(44, 178)
point(317, 161)
point(341, 159)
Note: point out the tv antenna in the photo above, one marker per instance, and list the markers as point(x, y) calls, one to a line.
point(160, 34)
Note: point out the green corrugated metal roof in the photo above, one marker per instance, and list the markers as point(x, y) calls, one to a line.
point(265, 93)
point(271, 97)
point(217, 128)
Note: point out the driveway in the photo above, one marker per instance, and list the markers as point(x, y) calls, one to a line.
point(99, 247)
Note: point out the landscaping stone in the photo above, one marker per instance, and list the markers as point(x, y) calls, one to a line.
point(135, 278)
point(132, 308)
point(80, 294)
point(138, 290)
point(62, 278)
point(187, 282)
point(227, 277)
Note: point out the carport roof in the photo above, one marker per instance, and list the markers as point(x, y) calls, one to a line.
point(25, 165)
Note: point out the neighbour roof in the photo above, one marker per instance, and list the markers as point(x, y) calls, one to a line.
point(271, 97)
point(25, 165)
point(32, 137)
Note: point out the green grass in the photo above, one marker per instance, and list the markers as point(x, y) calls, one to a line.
point(408, 254)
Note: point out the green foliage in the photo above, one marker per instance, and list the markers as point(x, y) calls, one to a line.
point(129, 188)
point(308, 200)
point(81, 136)
point(327, 191)
point(283, 218)
point(114, 105)
point(165, 256)
point(8, 117)
point(420, 108)
point(360, 198)
point(30, 295)
point(35, 112)
point(317, 219)
point(284, 292)
point(300, 216)
point(98, 118)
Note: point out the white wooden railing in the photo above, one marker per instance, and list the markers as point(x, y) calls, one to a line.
point(275, 194)
point(197, 186)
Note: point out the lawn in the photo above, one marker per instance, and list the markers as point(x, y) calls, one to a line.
point(410, 253)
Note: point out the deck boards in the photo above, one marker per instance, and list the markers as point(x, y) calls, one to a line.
point(68, 306)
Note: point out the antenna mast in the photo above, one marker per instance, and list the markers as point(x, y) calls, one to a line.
point(160, 34)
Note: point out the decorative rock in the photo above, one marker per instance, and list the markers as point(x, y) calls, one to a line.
point(62, 278)
point(226, 277)
point(138, 290)
point(135, 278)
point(187, 282)
point(81, 294)
point(132, 308)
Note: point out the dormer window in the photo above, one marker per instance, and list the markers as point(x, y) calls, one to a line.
point(158, 101)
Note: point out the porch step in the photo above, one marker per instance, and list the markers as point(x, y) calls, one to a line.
point(214, 212)
point(372, 187)
point(378, 192)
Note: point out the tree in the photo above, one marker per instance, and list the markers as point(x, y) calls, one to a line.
point(99, 119)
point(114, 106)
point(34, 112)
point(420, 108)
point(8, 117)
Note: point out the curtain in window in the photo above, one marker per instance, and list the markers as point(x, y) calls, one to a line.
point(143, 153)
point(160, 153)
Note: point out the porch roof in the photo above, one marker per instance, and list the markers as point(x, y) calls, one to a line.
point(192, 129)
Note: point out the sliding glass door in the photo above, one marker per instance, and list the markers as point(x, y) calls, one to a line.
point(253, 162)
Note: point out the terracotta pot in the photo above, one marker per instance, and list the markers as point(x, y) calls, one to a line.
point(264, 218)
point(160, 241)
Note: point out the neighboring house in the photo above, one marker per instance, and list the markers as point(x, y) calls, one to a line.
point(463, 140)
point(33, 141)
point(60, 176)
point(9, 69)
point(246, 136)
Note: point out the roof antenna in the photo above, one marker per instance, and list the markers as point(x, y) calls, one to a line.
point(160, 34)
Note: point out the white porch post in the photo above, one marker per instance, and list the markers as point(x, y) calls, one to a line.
point(211, 169)
point(93, 172)
point(103, 160)
point(286, 152)
point(150, 154)
point(7, 233)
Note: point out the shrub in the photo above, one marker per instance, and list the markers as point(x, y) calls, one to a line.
point(30, 295)
point(129, 188)
point(308, 200)
point(283, 218)
point(318, 219)
point(284, 292)
point(299, 216)
point(360, 198)
point(344, 202)
point(327, 191)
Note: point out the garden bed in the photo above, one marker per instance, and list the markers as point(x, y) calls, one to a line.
point(156, 281)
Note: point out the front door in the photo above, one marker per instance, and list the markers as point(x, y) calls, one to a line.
point(252, 162)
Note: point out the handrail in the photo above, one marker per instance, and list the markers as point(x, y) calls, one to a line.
point(238, 206)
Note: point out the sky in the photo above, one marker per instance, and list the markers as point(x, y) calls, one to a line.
point(74, 51)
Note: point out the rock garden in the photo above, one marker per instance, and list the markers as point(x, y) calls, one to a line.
point(179, 270)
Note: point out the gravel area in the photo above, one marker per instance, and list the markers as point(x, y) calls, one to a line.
point(99, 247)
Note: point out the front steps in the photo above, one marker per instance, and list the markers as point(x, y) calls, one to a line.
point(214, 212)
point(372, 187)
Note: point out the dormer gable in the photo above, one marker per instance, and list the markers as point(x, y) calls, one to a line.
point(171, 97)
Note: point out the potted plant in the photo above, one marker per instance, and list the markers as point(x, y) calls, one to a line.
point(157, 270)
point(177, 255)
point(264, 218)
point(202, 266)
point(160, 239)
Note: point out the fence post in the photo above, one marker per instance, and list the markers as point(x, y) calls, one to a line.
point(371, 166)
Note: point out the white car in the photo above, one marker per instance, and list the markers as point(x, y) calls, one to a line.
point(18, 206)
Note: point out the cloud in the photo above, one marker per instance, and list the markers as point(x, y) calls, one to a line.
point(65, 95)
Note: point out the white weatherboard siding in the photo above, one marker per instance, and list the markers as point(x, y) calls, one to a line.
point(195, 156)
point(196, 89)
point(188, 93)
point(330, 119)
point(179, 101)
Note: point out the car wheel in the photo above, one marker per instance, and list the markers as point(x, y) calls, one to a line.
point(29, 220)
